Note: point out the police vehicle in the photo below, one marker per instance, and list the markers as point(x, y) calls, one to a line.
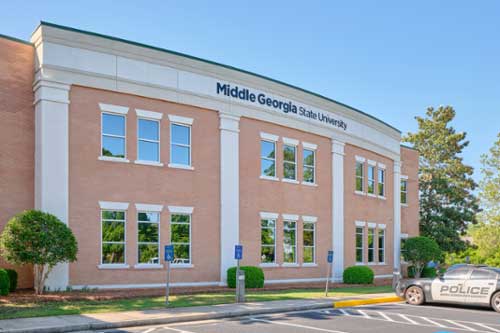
point(460, 284)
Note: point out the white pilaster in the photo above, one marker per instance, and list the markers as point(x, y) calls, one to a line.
point(397, 215)
point(338, 209)
point(51, 160)
point(229, 196)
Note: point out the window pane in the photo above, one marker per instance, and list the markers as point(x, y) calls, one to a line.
point(370, 255)
point(308, 254)
point(267, 149)
point(267, 236)
point(268, 168)
point(113, 253)
point(481, 274)
point(113, 215)
point(148, 129)
point(180, 155)
point(359, 184)
point(289, 224)
point(371, 172)
point(149, 217)
point(148, 254)
point(181, 254)
point(148, 232)
point(149, 151)
point(289, 237)
point(359, 255)
point(381, 256)
point(289, 253)
point(267, 223)
point(267, 254)
point(289, 153)
point(113, 231)
point(381, 176)
point(308, 157)
point(113, 124)
point(359, 169)
point(180, 233)
point(308, 238)
point(371, 186)
point(114, 147)
point(289, 171)
point(180, 134)
point(181, 218)
point(308, 174)
point(380, 189)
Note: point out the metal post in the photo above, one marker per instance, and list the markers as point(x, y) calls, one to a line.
point(237, 281)
point(327, 279)
point(167, 291)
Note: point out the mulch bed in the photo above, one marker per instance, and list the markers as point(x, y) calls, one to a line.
point(28, 296)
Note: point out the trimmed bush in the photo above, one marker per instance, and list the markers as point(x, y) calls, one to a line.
point(254, 277)
point(4, 282)
point(427, 272)
point(12, 279)
point(358, 275)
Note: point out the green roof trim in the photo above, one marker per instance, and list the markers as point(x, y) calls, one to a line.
point(14, 39)
point(49, 24)
point(408, 147)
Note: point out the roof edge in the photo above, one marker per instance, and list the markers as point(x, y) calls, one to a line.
point(408, 147)
point(18, 40)
point(54, 25)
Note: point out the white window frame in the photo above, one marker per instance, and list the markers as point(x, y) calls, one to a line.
point(313, 223)
point(371, 229)
point(405, 180)
point(111, 207)
point(268, 159)
point(184, 122)
point(182, 212)
point(294, 229)
point(273, 217)
point(403, 237)
point(362, 177)
point(361, 226)
point(371, 167)
point(381, 169)
point(118, 113)
point(291, 143)
point(148, 162)
point(381, 232)
point(143, 264)
point(304, 165)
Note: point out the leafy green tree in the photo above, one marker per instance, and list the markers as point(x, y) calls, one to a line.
point(39, 239)
point(447, 202)
point(418, 251)
point(489, 186)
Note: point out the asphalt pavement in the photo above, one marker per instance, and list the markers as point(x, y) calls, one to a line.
point(386, 318)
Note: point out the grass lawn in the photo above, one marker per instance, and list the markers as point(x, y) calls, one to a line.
point(24, 310)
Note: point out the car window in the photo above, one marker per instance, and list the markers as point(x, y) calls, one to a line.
point(457, 273)
point(482, 274)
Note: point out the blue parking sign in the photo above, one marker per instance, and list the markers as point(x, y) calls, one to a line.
point(238, 252)
point(169, 253)
point(330, 256)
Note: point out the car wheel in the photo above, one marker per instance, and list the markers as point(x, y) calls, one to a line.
point(414, 296)
point(495, 301)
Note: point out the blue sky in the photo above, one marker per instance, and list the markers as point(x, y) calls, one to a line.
point(391, 59)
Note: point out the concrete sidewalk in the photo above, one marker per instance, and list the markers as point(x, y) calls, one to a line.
point(95, 321)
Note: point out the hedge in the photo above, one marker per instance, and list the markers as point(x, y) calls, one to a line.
point(358, 275)
point(4, 282)
point(13, 279)
point(254, 277)
point(427, 272)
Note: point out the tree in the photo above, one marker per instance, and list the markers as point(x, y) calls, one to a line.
point(447, 202)
point(40, 239)
point(418, 251)
point(489, 186)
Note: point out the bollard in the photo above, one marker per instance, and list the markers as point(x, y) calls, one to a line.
point(240, 292)
point(396, 276)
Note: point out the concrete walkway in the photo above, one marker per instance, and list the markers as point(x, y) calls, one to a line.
point(95, 321)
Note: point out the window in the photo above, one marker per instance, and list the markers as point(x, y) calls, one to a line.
point(148, 237)
point(381, 182)
point(268, 158)
point(371, 179)
point(290, 242)
point(113, 135)
point(309, 162)
point(148, 140)
point(402, 248)
point(289, 162)
point(381, 245)
point(404, 191)
point(371, 245)
point(180, 237)
point(359, 176)
point(112, 237)
point(309, 239)
point(360, 235)
point(180, 144)
point(457, 273)
point(483, 274)
point(268, 241)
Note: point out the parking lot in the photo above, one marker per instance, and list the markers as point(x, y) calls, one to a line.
point(386, 318)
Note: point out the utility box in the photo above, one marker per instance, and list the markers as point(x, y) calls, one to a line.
point(240, 286)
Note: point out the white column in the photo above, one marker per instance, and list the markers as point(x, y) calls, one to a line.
point(338, 209)
point(397, 215)
point(229, 191)
point(51, 160)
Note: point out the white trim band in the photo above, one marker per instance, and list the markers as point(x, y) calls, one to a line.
point(360, 159)
point(267, 215)
point(180, 209)
point(270, 137)
point(373, 163)
point(360, 224)
point(381, 166)
point(381, 226)
point(291, 142)
point(113, 205)
point(148, 207)
point(180, 120)
point(309, 219)
point(308, 145)
point(148, 114)
point(113, 108)
point(372, 225)
point(290, 217)
point(403, 177)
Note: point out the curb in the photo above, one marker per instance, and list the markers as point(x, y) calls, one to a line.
point(356, 302)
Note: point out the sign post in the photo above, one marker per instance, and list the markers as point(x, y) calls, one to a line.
point(330, 264)
point(169, 257)
point(238, 255)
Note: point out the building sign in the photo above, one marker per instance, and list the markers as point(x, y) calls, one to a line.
point(285, 106)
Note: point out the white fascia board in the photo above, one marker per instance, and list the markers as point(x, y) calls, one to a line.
point(403, 177)
point(267, 215)
point(180, 120)
point(360, 223)
point(308, 145)
point(291, 142)
point(148, 207)
point(113, 205)
point(290, 217)
point(360, 159)
point(309, 219)
point(381, 226)
point(180, 209)
point(370, 162)
point(381, 166)
point(270, 137)
point(149, 114)
point(113, 108)
point(404, 236)
point(372, 225)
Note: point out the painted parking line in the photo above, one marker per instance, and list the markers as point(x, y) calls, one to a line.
point(461, 325)
point(297, 325)
point(435, 323)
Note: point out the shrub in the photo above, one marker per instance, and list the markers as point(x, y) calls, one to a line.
point(418, 251)
point(358, 275)
point(254, 277)
point(4, 282)
point(12, 279)
point(427, 272)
